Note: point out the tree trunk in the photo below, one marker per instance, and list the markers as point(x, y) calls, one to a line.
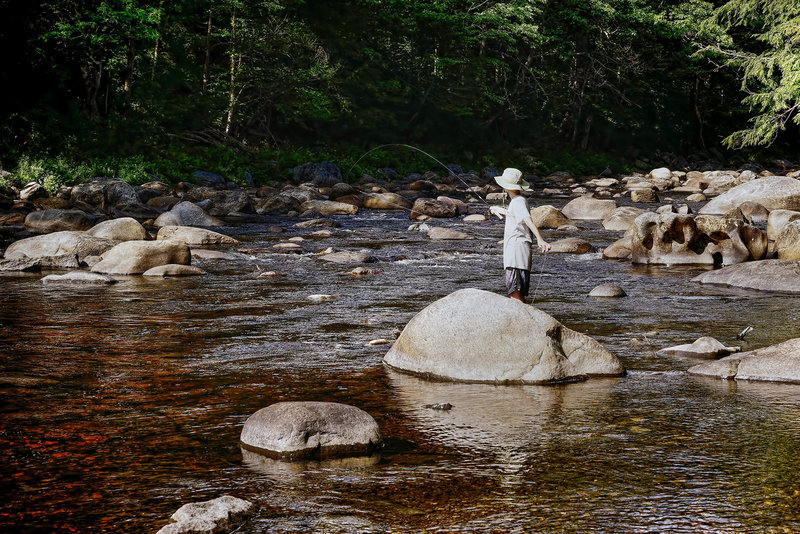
point(207, 60)
point(232, 90)
point(91, 73)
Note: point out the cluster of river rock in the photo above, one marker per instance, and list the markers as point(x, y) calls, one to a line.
point(746, 223)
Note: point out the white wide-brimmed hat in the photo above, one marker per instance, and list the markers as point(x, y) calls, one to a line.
point(512, 180)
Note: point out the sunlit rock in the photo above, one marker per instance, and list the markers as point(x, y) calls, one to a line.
point(222, 514)
point(174, 270)
point(778, 219)
point(348, 257)
point(570, 245)
point(705, 347)
point(787, 243)
point(122, 229)
point(622, 218)
point(548, 217)
point(775, 363)
point(588, 208)
point(437, 233)
point(78, 277)
point(782, 276)
point(433, 208)
point(136, 257)
point(477, 336)
point(67, 242)
point(296, 430)
point(194, 236)
point(386, 201)
point(607, 290)
point(619, 249)
point(773, 192)
point(329, 207)
point(672, 239)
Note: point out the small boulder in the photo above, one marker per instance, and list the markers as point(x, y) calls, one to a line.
point(78, 277)
point(298, 430)
point(328, 207)
point(438, 233)
point(622, 218)
point(571, 245)
point(433, 208)
point(608, 291)
point(619, 249)
point(386, 201)
point(174, 270)
point(348, 257)
point(644, 196)
point(548, 217)
point(706, 347)
point(223, 514)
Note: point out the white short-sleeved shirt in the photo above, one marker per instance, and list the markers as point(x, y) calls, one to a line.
point(517, 237)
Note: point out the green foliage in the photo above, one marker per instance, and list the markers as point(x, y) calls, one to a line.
point(578, 163)
point(760, 38)
point(52, 173)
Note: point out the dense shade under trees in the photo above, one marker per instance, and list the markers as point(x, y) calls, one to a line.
point(465, 77)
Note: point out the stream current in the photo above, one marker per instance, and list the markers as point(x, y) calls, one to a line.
point(121, 403)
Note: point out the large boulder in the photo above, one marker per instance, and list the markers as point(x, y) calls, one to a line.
point(112, 196)
point(122, 229)
point(187, 214)
point(67, 242)
point(194, 236)
point(325, 174)
point(297, 430)
point(776, 363)
point(477, 336)
point(57, 220)
point(136, 257)
point(772, 192)
point(588, 208)
point(673, 239)
point(782, 276)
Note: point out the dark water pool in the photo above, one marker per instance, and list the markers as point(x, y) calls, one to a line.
point(121, 403)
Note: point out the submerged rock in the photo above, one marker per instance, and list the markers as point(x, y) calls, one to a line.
point(706, 347)
point(477, 336)
point(78, 277)
point(297, 430)
point(776, 363)
point(608, 291)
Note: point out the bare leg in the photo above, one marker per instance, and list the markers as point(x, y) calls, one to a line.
point(517, 295)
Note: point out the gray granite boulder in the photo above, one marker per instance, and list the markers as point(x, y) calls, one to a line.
point(772, 192)
point(705, 347)
point(473, 335)
point(781, 276)
point(297, 430)
point(187, 214)
point(57, 220)
point(588, 208)
point(775, 363)
point(136, 257)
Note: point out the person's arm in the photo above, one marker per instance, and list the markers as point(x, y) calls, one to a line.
point(543, 245)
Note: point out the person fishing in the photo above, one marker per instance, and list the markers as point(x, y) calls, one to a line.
point(517, 237)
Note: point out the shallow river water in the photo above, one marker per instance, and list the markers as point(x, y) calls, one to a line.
point(121, 403)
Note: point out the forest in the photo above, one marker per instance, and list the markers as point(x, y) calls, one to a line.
point(249, 88)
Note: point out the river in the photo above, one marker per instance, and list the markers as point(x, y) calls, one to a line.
point(121, 403)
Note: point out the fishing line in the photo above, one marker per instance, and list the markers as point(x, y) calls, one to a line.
point(539, 280)
point(448, 169)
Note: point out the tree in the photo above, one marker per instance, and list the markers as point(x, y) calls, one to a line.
point(761, 38)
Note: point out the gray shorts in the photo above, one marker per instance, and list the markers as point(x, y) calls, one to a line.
point(518, 280)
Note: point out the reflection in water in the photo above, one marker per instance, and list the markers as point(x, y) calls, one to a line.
point(121, 403)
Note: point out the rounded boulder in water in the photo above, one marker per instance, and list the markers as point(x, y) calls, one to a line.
point(306, 429)
point(473, 335)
